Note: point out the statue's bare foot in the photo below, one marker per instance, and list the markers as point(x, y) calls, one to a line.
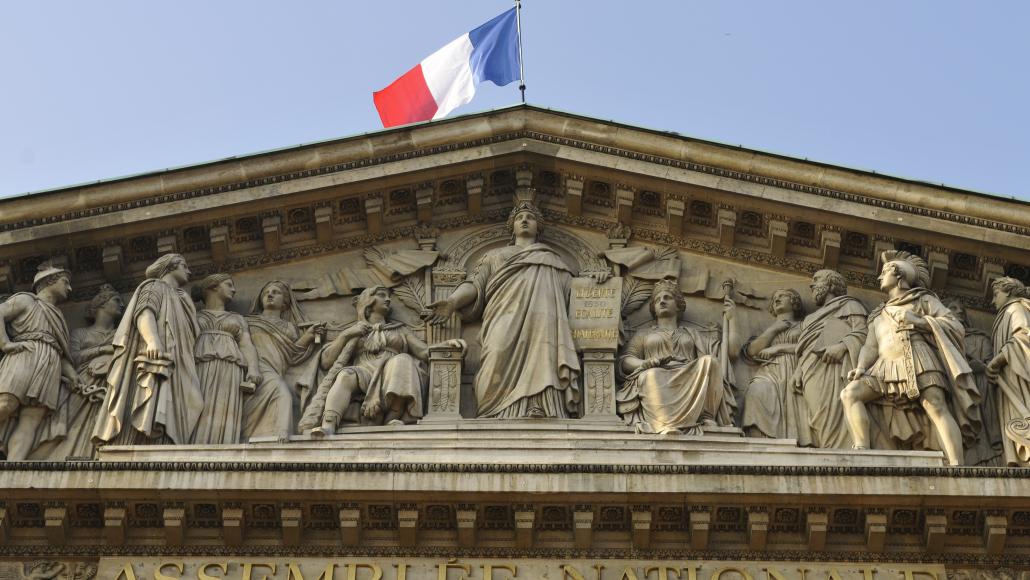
point(318, 433)
point(283, 438)
point(536, 412)
point(395, 422)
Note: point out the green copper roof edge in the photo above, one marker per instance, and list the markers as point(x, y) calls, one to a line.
point(507, 108)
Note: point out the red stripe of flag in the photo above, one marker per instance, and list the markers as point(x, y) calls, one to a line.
point(406, 100)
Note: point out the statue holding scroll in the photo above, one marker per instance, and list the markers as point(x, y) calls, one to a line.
point(529, 366)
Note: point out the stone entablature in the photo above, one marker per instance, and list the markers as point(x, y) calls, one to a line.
point(157, 503)
point(462, 338)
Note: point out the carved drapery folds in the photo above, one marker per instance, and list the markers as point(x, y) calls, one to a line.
point(524, 320)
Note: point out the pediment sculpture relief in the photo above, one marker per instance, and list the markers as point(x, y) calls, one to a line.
point(528, 363)
point(629, 336)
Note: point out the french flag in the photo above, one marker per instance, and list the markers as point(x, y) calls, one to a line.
point(447, 79)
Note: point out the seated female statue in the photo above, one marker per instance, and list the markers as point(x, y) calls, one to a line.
point(673, 374)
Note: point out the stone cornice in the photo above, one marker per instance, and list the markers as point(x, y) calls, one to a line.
point(512, 125)
point(528, 468)
point(331, 550)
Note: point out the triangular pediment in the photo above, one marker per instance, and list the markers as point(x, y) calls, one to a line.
point(407, 217)
point(728, 202)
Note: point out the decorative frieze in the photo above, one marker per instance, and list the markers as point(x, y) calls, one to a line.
point(574, 195)
point(374, 215)
point(583, 526)
point(233, 523)
point(757, 528)
point(778, 238)
point(525, 519)
point(292, 523)
point(624, 199)
point(700, 524)
point(5, 524)
point(424, 202)
point(467, 515)
point(830, 246)
point(995, 532)
point(642, 517)
point(939, 263)
point(167, 244)
point(407, 524)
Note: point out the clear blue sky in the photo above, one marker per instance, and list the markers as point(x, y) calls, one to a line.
point(937, 90)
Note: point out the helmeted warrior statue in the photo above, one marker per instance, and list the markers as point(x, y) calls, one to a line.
point(914, 361)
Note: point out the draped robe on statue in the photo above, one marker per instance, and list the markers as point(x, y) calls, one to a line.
point(222, 369)
point(82, 408)
point(385, 370)
point(988, 448)
point(153, 401)
point(771, 406)
point(288, 372)
point(680, 394)
point(1011, 337)
point(528, 356)
point(33, 376)
point(841, 320)
point(940, 360)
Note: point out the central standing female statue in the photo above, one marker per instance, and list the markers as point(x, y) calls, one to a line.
point(529, 364)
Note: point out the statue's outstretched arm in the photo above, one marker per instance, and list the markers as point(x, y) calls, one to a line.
point(462, 296)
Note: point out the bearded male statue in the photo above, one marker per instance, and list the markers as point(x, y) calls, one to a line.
point(827, 347)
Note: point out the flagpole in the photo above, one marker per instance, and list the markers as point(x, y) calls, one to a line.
point(518, 28)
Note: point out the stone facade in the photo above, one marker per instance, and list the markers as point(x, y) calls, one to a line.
point(515, 344)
